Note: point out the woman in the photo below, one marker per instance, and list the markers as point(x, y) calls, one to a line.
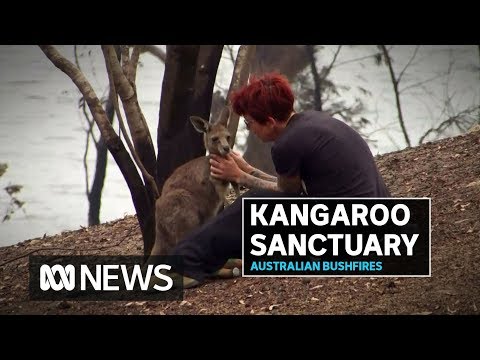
point(314, 155)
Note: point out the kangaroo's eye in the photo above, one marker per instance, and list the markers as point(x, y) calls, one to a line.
point(228, 138)
point(215, 139)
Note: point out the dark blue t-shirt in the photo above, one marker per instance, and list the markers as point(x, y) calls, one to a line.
point(332, 159)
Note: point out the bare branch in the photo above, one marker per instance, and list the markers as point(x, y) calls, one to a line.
point(459, 120)
point(154, 50)
point(110, 58)
point(89, 131)
point(114, 144)
point(91, 123)
point(130, 62)
point(420, 83)
point(408, 64)
point(320, 79)
point(397, 93)
point(355, 60)
point(87, 141)
point(83, 104)
point(90, 135)
point(329, 68)
point(231, 53)
point(85, 88)
point(85, 166)
point(125, 60)
point(134, 64)
point(137, 124)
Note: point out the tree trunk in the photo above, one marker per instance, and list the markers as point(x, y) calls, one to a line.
point(396, 93)
point(139, 132)
point(288, 60)
point(258, 154)
point(317, 93)
point(95, 195)
point(241, 73)
point(140, 197)
point(190, 72)
point(207, 64)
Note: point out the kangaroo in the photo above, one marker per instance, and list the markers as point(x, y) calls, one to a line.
point(190, 196)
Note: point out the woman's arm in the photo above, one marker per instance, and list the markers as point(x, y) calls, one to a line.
point(235, 168)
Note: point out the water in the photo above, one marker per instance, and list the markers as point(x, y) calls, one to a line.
point(42, 130)
point(42, 138)
point(424, 87)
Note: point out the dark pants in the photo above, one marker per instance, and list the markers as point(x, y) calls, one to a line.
point(207, 248)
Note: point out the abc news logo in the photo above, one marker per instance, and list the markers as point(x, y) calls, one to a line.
point(103, 278)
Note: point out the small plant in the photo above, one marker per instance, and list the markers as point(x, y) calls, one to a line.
point(14, 203)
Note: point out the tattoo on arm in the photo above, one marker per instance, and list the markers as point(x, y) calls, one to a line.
point(260, 174)
point(251, 181)
point(292, 185)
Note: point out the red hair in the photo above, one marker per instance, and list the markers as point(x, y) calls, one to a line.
point(264, 96)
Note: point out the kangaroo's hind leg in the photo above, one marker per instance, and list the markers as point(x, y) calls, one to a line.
point(236, 188)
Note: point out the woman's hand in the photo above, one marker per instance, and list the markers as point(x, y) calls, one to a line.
point(226, 168)
point(242, 164)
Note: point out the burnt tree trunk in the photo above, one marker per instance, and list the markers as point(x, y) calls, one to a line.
point(187, 88)
point(95, 194)
point(207, 65)
point(317, 93)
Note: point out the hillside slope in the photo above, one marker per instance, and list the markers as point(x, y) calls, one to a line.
point(447, 171)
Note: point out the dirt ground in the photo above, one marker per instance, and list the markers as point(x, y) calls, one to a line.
point(447, 171)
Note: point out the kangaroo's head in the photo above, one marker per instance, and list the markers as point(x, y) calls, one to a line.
point(216, 136)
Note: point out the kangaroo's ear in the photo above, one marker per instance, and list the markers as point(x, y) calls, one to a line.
point(224, 116)
point(200, 124)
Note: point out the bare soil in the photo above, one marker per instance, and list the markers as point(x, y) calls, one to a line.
point(447, 171)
